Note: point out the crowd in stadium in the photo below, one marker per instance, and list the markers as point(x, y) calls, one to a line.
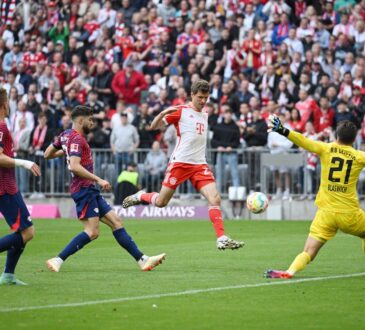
point(129, 60)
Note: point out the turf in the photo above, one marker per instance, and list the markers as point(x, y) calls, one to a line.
point(103, 271)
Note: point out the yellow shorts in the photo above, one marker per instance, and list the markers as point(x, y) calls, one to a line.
point(326, 224)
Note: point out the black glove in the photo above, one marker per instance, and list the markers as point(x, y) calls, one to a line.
point(275, 125)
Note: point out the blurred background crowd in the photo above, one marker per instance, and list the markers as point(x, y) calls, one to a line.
point(130, 59)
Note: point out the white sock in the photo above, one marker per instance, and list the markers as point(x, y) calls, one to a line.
point(142, 260)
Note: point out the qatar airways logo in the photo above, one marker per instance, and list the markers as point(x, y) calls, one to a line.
point(199, 128)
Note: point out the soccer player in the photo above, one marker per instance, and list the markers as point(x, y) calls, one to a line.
point(188, 162)
point(90, 205)
point(337, 202)
point(12, 205)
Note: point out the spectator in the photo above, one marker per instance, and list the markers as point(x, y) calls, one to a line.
point(96, 106)
point(12, 83)
point(226, 139)
point(255, 134)
point(278, 144)
point(22, 77)
point(281, 31)
point(154, 167)
point(40, 138)
point(22, 112)
point(124, 140)
point(127, 84)
point(12, 58)
point(21, 144)
point(323, 116)
point(59, 33)
point(32, 105)
point(167, 12)
point(306, 106)
point(107, 15)
point(344, 113)
point(142, 122)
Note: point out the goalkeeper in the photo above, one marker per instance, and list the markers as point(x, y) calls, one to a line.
point(337, 201)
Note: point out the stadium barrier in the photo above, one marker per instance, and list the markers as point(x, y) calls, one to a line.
point(256, 167)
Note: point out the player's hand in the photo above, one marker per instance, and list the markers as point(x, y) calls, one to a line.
point(36, 171)
point(275, 125)
point(104, 185)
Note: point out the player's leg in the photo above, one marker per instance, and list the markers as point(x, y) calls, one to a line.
point(176, 174)
point(323, 228)
point(17, 216)
point(120, 234)
point(354, 224)
point(90, 233)
point(88, 212)
point(211, 194)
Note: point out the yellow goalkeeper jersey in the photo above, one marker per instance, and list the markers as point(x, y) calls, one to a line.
point(340, 169)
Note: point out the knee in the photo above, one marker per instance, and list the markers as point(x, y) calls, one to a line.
point(28, 234)
point(93, 233)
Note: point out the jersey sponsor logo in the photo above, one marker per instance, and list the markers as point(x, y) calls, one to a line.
point(74, 147)
point(173, 180)
point(199, 128)
point(1, 136)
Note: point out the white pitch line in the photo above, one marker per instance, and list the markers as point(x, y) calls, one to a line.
point(179, 293)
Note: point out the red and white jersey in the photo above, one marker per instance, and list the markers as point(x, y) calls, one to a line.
point(32, 59)
point(192, 129)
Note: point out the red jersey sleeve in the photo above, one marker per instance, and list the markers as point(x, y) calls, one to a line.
point(174, 117)
point(75, 146)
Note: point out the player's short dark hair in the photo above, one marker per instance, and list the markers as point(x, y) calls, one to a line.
point(346, 132)
point(81, 111)
point(200, 86)
point(3, 96)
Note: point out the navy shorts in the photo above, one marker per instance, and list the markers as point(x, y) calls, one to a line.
point(90, 204)
point(15, 211)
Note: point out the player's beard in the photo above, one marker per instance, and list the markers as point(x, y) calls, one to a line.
point(86, 130)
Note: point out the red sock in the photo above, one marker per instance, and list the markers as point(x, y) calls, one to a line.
point(149, 198)
point(215, 215)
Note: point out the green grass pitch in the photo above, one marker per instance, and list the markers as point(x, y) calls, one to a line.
point(103, 271)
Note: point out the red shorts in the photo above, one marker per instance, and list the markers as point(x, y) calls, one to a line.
point(199, 175)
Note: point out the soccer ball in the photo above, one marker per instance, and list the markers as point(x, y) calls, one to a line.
point(257, 202)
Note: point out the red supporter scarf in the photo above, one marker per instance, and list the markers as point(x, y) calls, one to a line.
point(39, 136)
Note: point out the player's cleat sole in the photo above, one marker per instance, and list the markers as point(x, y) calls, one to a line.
point(54, 265)
point(229, 244)
point(9, 279)
point(152, 262)
point(272, 273)
point(132, 200)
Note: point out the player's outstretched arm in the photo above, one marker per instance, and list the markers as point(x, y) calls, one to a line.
point(300, 140)
point(157, 122)
point(51, 152)
point(77, 169)
point(8, 162)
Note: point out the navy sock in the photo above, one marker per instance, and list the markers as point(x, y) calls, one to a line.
point(127, 243)
point(76, 244)
point(11, 241)
point(12, 259)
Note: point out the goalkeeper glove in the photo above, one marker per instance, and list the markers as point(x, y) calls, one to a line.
point(275, 125)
